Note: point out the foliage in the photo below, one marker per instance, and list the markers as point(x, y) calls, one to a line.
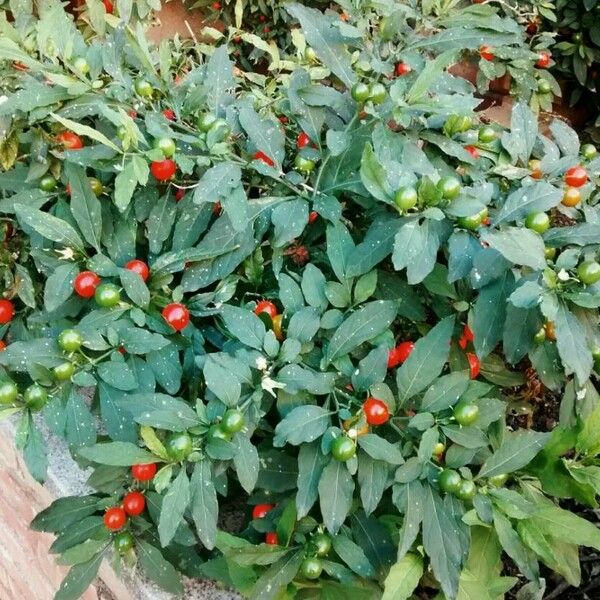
point(316, 218)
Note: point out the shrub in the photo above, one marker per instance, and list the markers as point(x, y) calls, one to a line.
point(313, 295)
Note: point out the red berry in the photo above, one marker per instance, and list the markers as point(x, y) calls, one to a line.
point(303, 140)
point(114, 518)
point(486, 52)
point(169, 114)
point(134, 504)
point(472, 151)
point(474, 365)
point(283, 119)
point(217, 208)
point(313, 216)
point(139, 267)
point(7, 311)
point(262, 18)
point(402, 69)
point(108, 6)
point(68, 189)
point(260, 510)
point(266, 306)
point(260, 155)
point(271, 538)
point(466, 337)
point(143, 472)
point(179, 195)
point(70, 140)
point(121, 350)
point(376, 411)
point(576, 177)
point(163, 170)
point(176, 315)
point(132, 114)
point(543, 59)
point(216, 5)
point(2, 345)
point(85, 284)
point(532, 27)
point(399, 354)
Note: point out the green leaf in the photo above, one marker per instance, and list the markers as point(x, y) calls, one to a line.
point(425, 361)
point(572, 343)
point(410, 500)
point(311, 462)
point(539, 197)
point(141, 341)
point(217, 183)
point(289, 220)
point(371, 369)
point(429, 75)
point(244, 325)
point(81, 553)
point(86, 131)
point(523, 133)
point(581, 234)
point(361, 326)
point(335, 494)
point(160, 222)
point(246, 462)
point(512, 545)
point(353, 555)
point(49, 227)
point(118, 375)
point(567, 526)
point(219, 79)
point(265, 135)
point(415, 249)
point(158, 569)
point(441, 543)
point(403, 578)
point(221, 382)
point(372, 479)
point(116, 419)
point(518, 245)
point(80, 427)
point(489, 314)
point(79, 578)
point(117, 454)
point(300, 425)
point(59, 286)
point(380, 449)
point(304, 324)
point(135, 288)
point(445, 392)
point(85, 207)
point(34, 452)
point(516, 451)
point(174, 504)
point(64, 512)
point(204, 505)
point(325, 37)
point(276, 577)
point(373, 176)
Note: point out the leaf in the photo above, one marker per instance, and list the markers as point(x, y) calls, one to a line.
point(411, 502)
point(64, 512)
point(523, 133)
point(174, 504)
point(512, 545)
point(441, 543)
point(135, 288)
point(581, 234)
point(219, 79)
point(117, 454)
point(361, 326)
point(311, 462)
point(445, 392)
point(80, 426)
point(244, 325)
point(300, 425)
point(86, 131)
point(567, 526)
point(49, 227)
point(222, 382)
point(429, 75)
point(372, 479)
point(415, 249)
point(403, 578)
point(85, 207)
point(141, 341)
point(116, 419)
point(9, 150)
point(489, 314)
point(380, 449)
point(118, 375)
point(79, 578)
point(335, 494)
point(304, 324)
point(326, 39)
point(516, 451)
point(157, 568)
point(205, 508)
point(425, 361)
point(217, 183)
point(371, 369)
point(34, 452)
point(277, 576)
point(289, 220)
point(265, 134)
point(539, 197)
point(373, 176)
point(59, 286)
point(246, 462)
point(353, 555)
point(518, 245)
point(572, 343)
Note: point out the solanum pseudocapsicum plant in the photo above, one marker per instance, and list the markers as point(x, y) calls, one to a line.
point(333, 339)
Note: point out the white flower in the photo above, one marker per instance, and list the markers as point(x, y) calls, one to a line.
point(563, 275)
point(66, 254)
point(269, 385)
point(261, 363)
